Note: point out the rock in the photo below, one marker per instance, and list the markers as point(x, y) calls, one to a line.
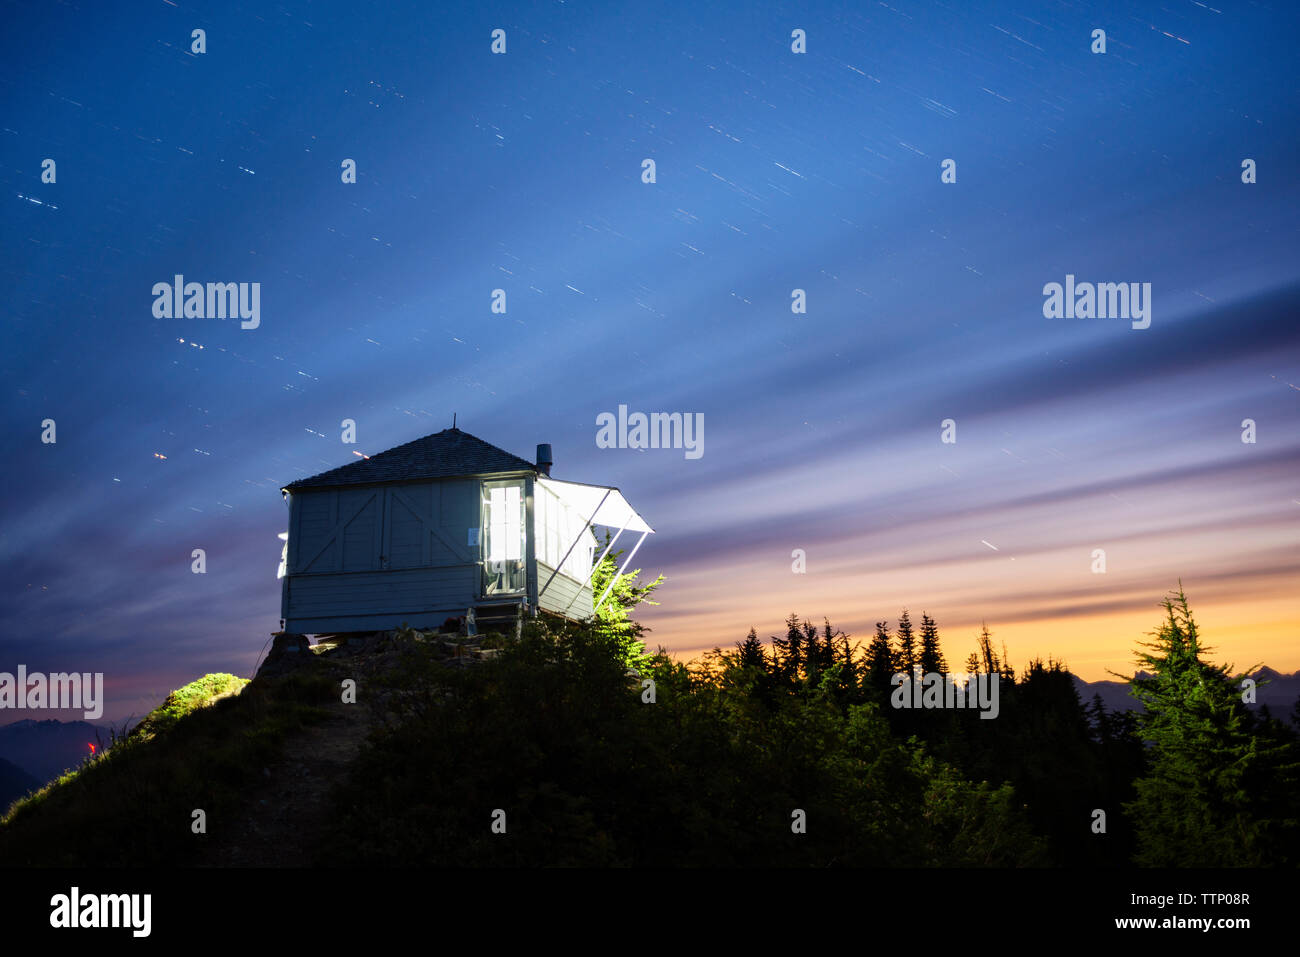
point(288, 653)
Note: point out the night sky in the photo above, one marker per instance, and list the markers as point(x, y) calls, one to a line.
point(775, 171)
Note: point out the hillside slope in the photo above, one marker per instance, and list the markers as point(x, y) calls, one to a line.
point(451, 746)
point(14, 783)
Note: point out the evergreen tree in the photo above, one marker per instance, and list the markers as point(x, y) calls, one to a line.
point(1007, 671)
point(1217, 791)
point(751, 652)
point(931, 655)
point(848, 682)
point(1099, 720)
point(907, 659)
point(880, 666)
point(832, 643)
point(613, 619)
point(986, 657)
point(812, 653)
point(789, 650)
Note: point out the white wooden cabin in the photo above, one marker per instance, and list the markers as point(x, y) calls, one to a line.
point(435, 527)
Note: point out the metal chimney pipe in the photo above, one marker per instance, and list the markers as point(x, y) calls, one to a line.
point(544, 459)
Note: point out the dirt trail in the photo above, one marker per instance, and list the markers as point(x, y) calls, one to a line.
point(286, 817)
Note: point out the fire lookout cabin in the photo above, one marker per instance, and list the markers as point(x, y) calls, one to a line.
point(433, 528)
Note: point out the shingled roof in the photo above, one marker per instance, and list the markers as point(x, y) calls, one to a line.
point(444, 454)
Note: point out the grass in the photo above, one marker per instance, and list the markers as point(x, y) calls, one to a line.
point(197, 694)
point(203, 748)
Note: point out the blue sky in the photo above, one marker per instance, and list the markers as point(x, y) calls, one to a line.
point(775, 171)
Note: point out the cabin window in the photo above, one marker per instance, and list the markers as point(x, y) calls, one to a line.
point(502, 542)
point(557, 526)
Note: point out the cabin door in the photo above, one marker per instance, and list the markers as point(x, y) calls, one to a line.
point(502, 542)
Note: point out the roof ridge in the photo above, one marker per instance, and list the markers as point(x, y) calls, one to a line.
point(443, 454)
